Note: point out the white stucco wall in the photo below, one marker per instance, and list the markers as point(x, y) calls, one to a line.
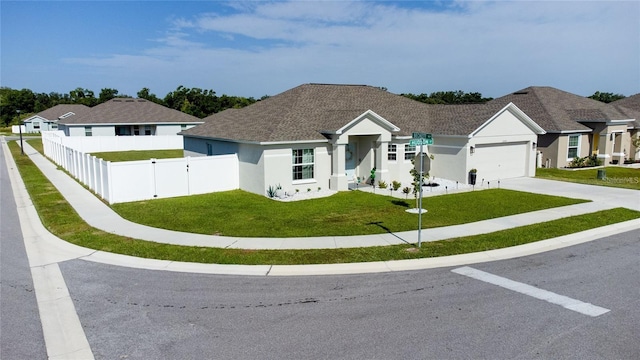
point(450, 158)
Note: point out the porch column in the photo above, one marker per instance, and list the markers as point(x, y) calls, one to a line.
point(382, 159)
point(338, 181)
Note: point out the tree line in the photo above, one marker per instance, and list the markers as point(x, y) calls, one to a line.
point(15, 104)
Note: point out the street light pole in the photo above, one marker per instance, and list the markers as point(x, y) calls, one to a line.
point(20, 127)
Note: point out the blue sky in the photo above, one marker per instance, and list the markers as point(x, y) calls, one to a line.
point(255, 48)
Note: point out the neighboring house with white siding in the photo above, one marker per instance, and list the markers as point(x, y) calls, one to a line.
point(128, 117)
point(47, 120)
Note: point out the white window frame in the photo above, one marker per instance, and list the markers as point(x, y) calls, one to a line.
point(88, 131)
point(576, 147)
point(411, 151)
point(392, 152)
point(298, 164)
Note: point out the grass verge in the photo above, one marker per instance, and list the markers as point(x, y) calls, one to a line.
point(62, 220)
point(622, 177)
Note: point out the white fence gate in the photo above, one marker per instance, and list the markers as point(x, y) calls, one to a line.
point(118, 182)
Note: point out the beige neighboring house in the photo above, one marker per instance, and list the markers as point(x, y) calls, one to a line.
point(575, 126)
point(630, 106)
point(127, 117)
point(47, 120)
point(330, 136)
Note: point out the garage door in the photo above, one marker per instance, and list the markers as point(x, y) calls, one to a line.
point(500, 161)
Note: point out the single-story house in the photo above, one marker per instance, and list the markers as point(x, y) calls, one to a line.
point(575, 126)
point(630, 106)
point(127, 116)
point(328, 136)
point(47, 120)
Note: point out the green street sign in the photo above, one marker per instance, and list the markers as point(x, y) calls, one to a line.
point(419, 135)
point(418, 142)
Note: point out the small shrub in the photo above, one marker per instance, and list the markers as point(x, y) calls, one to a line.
point(297, 190)
point(308, 189)
point(319, 188)
point(577, 162)
point(382, 184)
point(406, 190)
point(272, 190)
point(593, 160)
point(396, 185)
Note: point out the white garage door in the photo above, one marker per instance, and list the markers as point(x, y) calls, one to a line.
point(500, 161)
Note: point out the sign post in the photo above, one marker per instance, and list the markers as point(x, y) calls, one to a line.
point(421, 139)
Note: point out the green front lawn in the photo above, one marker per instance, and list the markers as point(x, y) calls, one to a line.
point(239, 213)
point(62, 221)
point(139, 155)
point(616, 176)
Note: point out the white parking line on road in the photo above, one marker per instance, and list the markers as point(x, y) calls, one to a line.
point(564, 301)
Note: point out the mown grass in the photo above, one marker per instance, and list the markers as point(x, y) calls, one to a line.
point(139, 155)
point(239, 213)
point(622, 177)
point(60, 218)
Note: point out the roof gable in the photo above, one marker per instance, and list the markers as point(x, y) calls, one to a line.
point(512, 118)
point(367, 115)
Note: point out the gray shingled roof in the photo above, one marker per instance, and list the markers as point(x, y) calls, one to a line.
point(629, 106)
point(305, 112)
point(559, 111)
point(131, 111)
point(53, 113)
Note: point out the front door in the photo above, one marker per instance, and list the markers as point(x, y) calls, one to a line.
point(350, 161)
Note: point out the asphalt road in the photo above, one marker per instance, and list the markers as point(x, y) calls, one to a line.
point(20, 330)
point(429, 314)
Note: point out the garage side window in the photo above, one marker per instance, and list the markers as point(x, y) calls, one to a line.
point(409, 152)
point(88, 131)
point(303, 164)
point(574, 146)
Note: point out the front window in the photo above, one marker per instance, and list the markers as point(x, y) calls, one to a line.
point(147, 129)
point(302, 164)
point(136, 130)
point(574, 146)
point(36, 125)
point(392, 152)
point(409, 152)
point(88, 131)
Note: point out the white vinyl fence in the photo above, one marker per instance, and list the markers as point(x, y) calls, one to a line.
point(118, 182)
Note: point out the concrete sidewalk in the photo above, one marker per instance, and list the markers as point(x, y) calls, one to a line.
point(100, 216)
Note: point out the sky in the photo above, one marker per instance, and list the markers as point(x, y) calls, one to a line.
point(257, 48)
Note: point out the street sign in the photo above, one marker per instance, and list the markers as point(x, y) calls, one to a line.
point(419, 135)
point(418, 142)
